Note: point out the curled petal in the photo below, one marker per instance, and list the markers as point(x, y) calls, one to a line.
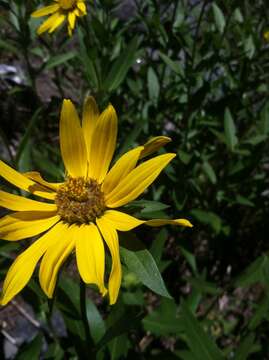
point(35, 176)
point(22, 182)
point(54, 257)
point(154, 145)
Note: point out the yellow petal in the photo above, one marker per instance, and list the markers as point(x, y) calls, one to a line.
point(72, 142)
point(137, 181)
point(57, 22)
point(23, 267)
point(122, 221)
point(123, 166)
point(54, 257)
point(35, 176)
point(89, 119)
point(25, 224)
point(46, 10)
point(47, 24)
point(82, 7)
point(19, 180)
point(154, 145)
point(71, 19)
point(161, 222)
point(111, 238)
point(103, 144)
point(90, 255)
point(19, 203)
point(69, 30)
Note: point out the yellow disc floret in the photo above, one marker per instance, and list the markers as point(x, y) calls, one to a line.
point(80, 201)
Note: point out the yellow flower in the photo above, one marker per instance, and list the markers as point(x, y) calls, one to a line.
point(81, 213)
point(60, 11)
point(266, 35)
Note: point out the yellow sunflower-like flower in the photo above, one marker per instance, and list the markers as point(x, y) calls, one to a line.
point(60, 11)
point(81, 212)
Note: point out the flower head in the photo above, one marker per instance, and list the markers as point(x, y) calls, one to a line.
point(60, 11)
point(80, 214)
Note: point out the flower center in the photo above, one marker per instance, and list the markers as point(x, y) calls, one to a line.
point(67, 4)
point(80, 201)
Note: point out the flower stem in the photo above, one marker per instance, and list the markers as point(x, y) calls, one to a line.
point(89, 346)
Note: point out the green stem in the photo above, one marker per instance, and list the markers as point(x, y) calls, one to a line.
point(89, 346)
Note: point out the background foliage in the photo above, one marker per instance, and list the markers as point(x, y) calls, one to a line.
point(196, 71)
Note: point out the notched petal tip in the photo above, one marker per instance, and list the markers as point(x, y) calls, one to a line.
point(67, 102)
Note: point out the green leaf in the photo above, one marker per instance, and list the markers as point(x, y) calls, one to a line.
point(131, 137)
point(190, 258)
point(260, 313)
point(31, 127)
point(157, 246)
point(238, 16)
point(172, 64)
point(186, 355)
point(209, 171)
point(256, 139)
point(203, 286)
point(230, 130)
point(60, 59)
point(54, 352)
point(89, 65)
point(121, 66)
point(147, 206)
point(219, 18)
point(208, 218)
point(68, 302)
point(31, 350)
point(143, 265)
point(254, 273)
point(249, 47)
point(244, 201)
point(96, 323)
point(126, 322)
point(199, 342)
point(119, 347)
point(164, 320)
point(246, 347)
point(9, 47)
point(153, 85)
point(184, 157)
point(264, 123)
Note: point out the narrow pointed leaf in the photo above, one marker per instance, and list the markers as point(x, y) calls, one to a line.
point(144, 266)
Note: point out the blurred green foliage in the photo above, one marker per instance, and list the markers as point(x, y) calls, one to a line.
point(196, 71)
